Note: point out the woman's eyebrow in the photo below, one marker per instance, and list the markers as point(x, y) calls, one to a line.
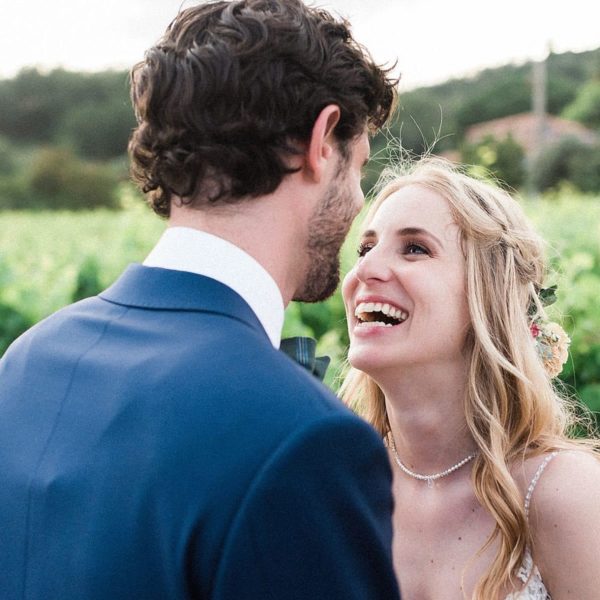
point(418, 231)
point(370, 233)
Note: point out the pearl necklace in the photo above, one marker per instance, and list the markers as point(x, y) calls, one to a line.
point(428, 478)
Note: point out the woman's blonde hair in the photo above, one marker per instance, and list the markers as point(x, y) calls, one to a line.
point(512, 408)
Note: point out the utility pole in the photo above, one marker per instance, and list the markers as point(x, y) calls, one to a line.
point(539, 107)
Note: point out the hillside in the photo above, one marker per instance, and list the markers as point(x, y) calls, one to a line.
point(62, 117)
point(449, 108)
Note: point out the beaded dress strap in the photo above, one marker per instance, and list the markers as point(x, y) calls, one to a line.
point(535, 479)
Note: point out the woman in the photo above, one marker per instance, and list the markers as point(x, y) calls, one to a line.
point(453, 360)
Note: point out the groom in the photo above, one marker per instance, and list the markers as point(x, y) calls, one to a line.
point(154, 442)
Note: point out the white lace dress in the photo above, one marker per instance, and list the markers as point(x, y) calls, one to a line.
point(529, 573)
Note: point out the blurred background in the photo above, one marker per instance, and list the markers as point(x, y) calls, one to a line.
point(511, 89)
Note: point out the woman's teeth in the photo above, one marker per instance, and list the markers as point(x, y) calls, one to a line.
point(379, 314)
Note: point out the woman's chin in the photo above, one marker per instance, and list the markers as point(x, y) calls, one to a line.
point(364, 360)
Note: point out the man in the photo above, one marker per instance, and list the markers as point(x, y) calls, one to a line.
point(154, 442)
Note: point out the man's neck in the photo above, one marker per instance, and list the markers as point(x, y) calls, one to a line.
point(187, 249)
point(262, 228)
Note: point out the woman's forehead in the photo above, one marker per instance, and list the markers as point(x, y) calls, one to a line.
point(412, 205)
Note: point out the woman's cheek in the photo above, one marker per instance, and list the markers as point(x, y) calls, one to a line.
point(348, 287)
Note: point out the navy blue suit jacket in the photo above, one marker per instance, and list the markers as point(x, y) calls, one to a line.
point(154, 445)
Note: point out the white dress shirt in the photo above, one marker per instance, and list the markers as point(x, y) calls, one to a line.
point(186, 249)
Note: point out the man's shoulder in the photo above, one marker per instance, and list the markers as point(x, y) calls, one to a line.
point(247, 372)
point(57, 326)
point(204, 371)
point(246, 386)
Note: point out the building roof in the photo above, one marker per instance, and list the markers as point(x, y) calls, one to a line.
point(525, 128)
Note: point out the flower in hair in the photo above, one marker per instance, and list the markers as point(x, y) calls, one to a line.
point(551, 341)
point(552, 345)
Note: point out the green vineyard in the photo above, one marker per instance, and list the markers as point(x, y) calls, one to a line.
point(49, 259)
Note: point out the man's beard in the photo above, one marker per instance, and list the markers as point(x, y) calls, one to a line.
point(328, 227)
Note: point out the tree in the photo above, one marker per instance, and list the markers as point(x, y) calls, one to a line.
point(99, 131)
point(584, 169)
point(27, 111)
point(586, 106)
point(58, 179)
point(86, 110)
point(498, 93)
point(568, 160)
point(7, 159)
point(504, 159)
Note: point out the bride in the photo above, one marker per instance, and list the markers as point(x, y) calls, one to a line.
point(453, 359)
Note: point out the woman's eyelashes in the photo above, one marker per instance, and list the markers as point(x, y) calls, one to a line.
point(409, 247)
point(364, 247)
point(416, 247)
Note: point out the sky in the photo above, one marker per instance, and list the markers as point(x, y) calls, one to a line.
point(431, 40)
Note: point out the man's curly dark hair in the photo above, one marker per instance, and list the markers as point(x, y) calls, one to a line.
point(233, 88)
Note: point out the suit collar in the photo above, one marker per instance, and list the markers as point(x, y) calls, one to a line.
point(166, 289)
point(195, 251)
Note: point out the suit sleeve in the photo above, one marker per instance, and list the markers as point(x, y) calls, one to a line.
point(316, 522)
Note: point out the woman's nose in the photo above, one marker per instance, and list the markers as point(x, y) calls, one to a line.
point(373, 265)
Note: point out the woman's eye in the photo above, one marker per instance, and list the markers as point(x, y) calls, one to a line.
point(414, 248)
point(364, 248)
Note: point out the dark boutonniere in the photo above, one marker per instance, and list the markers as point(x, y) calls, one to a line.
point(303, 351)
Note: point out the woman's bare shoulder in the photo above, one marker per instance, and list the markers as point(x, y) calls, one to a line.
point(545, 475)
point(570, 479)
point(565, 523)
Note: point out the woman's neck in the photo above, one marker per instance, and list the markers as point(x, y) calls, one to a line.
point(425, 407)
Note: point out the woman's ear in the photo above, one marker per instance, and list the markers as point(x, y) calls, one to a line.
point(322, 143)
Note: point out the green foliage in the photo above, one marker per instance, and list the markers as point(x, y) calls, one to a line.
point(498, 93)
point(7, 160)
point(584, 169)
point(569, 160)
point(88, 280)
point(49, 108)
point(567, 72)
point(47, 258)
point(504, 159)
point(14, 323)
point(552, 165)
point(99, 131)
point(58, 179)
point(62, 113)
point(14, 320)
point(590, 396)
point(586, 106)
point(14, 192)
point(27, 110)
point(571, 223)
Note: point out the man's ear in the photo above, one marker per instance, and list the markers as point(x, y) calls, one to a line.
point(322, 142)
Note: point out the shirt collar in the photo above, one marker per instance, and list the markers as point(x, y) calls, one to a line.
point(195, 251)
